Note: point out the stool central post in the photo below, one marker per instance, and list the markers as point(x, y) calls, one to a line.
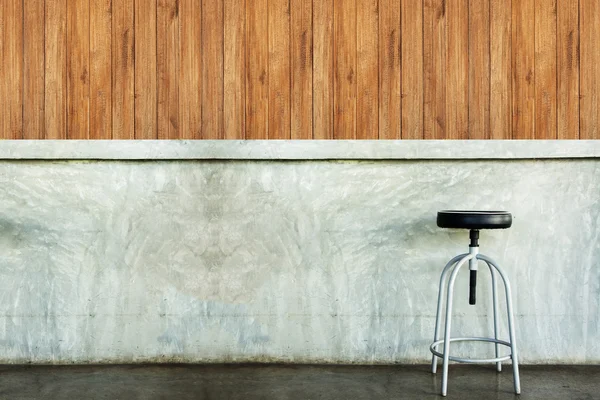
point(473, 249)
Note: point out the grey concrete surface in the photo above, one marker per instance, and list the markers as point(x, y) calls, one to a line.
point(298, 149)
point(303, 262)
point(252, 382)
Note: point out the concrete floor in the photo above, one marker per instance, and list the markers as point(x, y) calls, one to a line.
point(249, 382)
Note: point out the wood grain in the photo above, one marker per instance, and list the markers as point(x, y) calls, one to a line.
point(55, 71)
point(257, 67)
point(234, 61)
point(523, 69)
point(390, 88)
point(123, 70)
point(344, 79)
point(279, 69)
point(479, 69)
point(190, 69)
point(500, 66)
point(545, 69)
point(212, 69)
point(167, 66)
point(33, 73)
point(100, 69)
point(367, 69)
point(412, 69)
point(434, 69)
point(146, 84)
point(323, 62)
point(11, 79)
point(589, 15)
point(567, 41)
point(302, 67)
point(299, 69)
point(78, 69)
point(457, 69)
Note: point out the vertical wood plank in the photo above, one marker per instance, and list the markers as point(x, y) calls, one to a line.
point(190, 69)
point(146, 112)
point(345, 69)
point(78, 69)
point(100, 69)
point(167, 60)
point(33, 73)
point(568, 69)
point(212, 69)
point(545, 69)
point(367, 69)
point(412, 69)
point(14, 56)
point(123, 78)
point(434, 67)
point(234, 59)
point(323, 67)
point(257, 66)
point(457, 69)
point(55, 90)
point(500, 66)
point(590, 70)
point(390, 101)
point(301, 65)
point(479, 69)
point(12, 78)
point(279, 69)
point(523, 69)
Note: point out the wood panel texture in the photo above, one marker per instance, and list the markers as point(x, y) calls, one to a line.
point(234, 69)
point(145, 63)
point(412, 69)
point(500, 70)
point(457, 69)
point(11, 72)
point(344, 76)
point(123, 73)
point(100, 69)
point(299, 69)
point(434, 69)
point(589, 106)
point(390, 77)
point(479, 69)
point(257, 69)
point(78, 69)
point(33, 74)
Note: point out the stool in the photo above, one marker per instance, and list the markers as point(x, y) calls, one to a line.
point(474, 221)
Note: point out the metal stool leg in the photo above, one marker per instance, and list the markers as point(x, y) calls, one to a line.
point(495, 307)
point(511, 322)
point(449, 319)
point(438, 316)
point(454, 266)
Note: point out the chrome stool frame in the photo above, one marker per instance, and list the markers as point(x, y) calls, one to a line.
point(454, 267)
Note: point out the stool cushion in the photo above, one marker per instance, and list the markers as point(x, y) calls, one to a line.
point(474, 219)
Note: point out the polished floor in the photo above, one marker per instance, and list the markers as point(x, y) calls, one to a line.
point(250, 382)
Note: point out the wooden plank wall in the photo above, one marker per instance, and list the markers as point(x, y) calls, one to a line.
point(299, 69)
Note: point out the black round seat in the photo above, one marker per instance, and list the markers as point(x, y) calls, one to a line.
point(474, 219)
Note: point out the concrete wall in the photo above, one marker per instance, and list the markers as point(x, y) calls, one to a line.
point(205, 260)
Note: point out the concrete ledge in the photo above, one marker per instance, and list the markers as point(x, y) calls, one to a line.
point(297, 150)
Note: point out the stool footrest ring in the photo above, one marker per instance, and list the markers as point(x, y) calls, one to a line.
point(435, 344)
